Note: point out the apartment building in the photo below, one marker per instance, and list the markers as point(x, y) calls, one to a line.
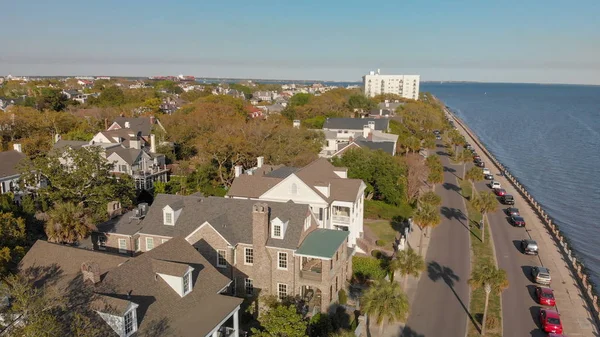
point(406, 86)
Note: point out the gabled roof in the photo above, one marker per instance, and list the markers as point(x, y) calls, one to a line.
point(253, 186)
point(137, 124)
point(74, 144)
point(128, 155)
point(9, 163)
point(282, 172)
point(169, 267)
point(231, 218)
point(356, 123)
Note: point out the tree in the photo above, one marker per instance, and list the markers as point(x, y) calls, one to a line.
point(12, 241)
point(412, 144)
point(79, 176)
point(464, 157)
point(492, 279)
point(486, 202)
point(385, 301)
point(426, 216)
point(407, 262)
point(416, 173)
point(110, 96)
point(67, 223)
point(281, 321)
point(361, 102)
point(51, 99)
point(474, 174)
point(431, 198)
point(456, 139)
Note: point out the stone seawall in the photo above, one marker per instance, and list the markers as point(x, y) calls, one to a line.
point(577, 267)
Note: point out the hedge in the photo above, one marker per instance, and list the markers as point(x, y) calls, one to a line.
point(367, 268)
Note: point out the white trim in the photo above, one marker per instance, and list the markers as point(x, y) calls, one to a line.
point(163, 240)
point(245, 254)
point(216, 328)
point(187, 275)
point(280, 236)
point(314, 257)
point(279, 248)
point(200, 227)
point(153, 245)
point(122, 250)
point(134, 326)
point(160, 236)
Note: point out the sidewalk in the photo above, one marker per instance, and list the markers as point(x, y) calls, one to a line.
point(576, 318)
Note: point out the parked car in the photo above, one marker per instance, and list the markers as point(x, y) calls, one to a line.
point(517, 221)
point(487, 171)
point(476, 157)
point(545, 296)
point(494, 184)
point(556, 335)
point(479, 163)
point(500, 192)
point(529, 246)
point(512, 211)
point(438, 137)
point(541, 275)
point(488, 177)
point(507, 199)
point(550, 321)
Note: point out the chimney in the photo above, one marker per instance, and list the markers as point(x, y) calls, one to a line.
point(370, 137)
point(260, 161)
point(127, 125)
point(260, 235)
point(238, 170)
point(152, 143)
point(296, 124)
point(17, 147)
point(105, 123)
point(372, 125)
point(91, 272)
point(366, 131)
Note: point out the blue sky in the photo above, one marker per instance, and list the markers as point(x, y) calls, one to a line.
point(491, 41)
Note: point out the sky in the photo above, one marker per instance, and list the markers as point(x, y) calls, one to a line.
point(551, 41)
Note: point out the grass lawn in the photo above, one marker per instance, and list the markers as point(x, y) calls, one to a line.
point(482, 252)
point(384, 230)
point(375, 209)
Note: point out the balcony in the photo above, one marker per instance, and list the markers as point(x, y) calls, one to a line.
point(311, 269)
point(340, 215)
point(226, 331)
point(155, 170)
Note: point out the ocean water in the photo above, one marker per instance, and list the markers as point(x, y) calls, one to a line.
point(548, 136)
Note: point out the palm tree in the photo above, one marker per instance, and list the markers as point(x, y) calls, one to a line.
point(427, 216)
point(385, 301)
point(407, 262)
point(491, 278)
point(431, 198)
point(436, 176)
point(486, 202)
point(474, 174)
point(464, 157)
point(67, 223)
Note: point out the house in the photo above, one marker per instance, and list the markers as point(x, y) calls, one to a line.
point(254, 112)
point(348, 126)
point(337, 143)
point(139, 125)
point(170, 291)
point(9, 169)
point(271, 248)
point(75, 95)
point(275, 108)
point(336, 201)
point(263, 95)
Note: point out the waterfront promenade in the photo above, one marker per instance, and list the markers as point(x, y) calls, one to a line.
point(519, 307)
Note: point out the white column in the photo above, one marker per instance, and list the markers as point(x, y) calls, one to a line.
point(236, 326)
point(216, 333)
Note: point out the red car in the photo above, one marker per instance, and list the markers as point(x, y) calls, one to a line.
point(545, 296)
point(556, 335)
point(500, 191)
point(476, 157)
point(550, 321)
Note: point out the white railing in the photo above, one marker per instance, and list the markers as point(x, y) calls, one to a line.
point(226, 331)
point(340, 219)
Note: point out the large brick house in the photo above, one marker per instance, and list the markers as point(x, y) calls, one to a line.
point(336, 201)
point(265, 248)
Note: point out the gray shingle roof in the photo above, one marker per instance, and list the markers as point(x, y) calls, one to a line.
point(282, 172)
point(387, 147)
point(124, 224)
point(9, 163)
point(74, 144)
point(232, 218)
point(136, 124)
point(129, 155)
point(355, 123)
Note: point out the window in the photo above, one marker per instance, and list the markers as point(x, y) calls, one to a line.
point(186, 283)
point(221, 258)
point(248, 256)
point(149, 243)
point(102, 242)
point(122, 246)
point(277, 231)
point(137, 245)
point(168, 217)
point(307, 222)
point(320, 214)
point(129, 324)
point(123, 168)
point(294, 189)
point(281, 290)
point(282, 260)
point(249, 286)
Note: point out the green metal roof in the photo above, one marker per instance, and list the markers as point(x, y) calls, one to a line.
point(322, 243)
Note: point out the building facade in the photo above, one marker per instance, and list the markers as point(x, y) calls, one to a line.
point(406, 86)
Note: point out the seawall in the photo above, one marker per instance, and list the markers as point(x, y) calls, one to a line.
point(565, 248)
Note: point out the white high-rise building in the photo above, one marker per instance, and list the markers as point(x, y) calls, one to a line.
point(406, 86)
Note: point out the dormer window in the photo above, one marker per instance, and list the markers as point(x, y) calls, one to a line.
point(187, 281)
point(130, 323)
point(277, 231)
point(278, 228)
point(171, 213)
point(168, 218)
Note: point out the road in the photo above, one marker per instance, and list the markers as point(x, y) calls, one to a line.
point(442, 299)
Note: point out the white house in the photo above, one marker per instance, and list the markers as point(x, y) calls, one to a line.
point(335, 200)
point(9, 169)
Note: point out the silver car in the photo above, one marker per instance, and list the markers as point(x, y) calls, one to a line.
point(541, 275)
point(529, 246)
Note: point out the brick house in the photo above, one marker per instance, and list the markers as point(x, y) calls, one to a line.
point(336, 201)
point(266, 249)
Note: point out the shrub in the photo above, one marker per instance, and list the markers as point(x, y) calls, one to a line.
point(375, 209)
point(380, 243)
point(367, 268)
point(491, 322)
point(342, 297)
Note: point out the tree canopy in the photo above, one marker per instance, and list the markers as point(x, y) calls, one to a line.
point(281, 321)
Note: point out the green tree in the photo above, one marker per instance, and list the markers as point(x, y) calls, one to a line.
point(110, 96)
point(300, 99)
point(464, 157)
point(361, 102)
point(67, 223)
point(79, 176)
point(485, 202)
point(456, 139)
point(407, 262)
point(474, 174)
point(51, 99)
point(385, 301)
point(426, 216)
point(281, 321)
point(431, 198)
point(12, 241)
point(492, 279)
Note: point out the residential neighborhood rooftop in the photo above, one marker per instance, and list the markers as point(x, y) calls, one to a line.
point(322, 243)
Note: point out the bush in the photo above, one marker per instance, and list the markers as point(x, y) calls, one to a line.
point(380, 243)
point(491, 322)
point(342, 297)
point(376, 253)
point(367, 268)
point(375, 209)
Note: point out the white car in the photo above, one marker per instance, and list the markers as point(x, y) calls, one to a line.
point(486, 171)
point(494, 184)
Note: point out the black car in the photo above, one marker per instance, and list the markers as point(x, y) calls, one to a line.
point(512, 211)
point(517, 221)
point(479, 163)
point(507, 199)
point(489, 177)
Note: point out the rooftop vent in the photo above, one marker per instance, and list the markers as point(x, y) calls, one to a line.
point(141, 211)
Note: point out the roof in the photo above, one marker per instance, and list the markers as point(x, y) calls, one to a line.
point(136, 124)
point(322, 243)
point(9, 163)
point(169, 268)
point(133, 280)
point(124, 224)
point(282, 172)
point(355, 123)
point(127, 154)
point(232, 218)
point(253, 186)
point(387, 147)
point(74, 144)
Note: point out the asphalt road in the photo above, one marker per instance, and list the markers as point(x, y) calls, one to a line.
point(520, 309)
point(441, 303)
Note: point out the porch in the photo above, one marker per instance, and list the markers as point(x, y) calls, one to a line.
point(311, 269)
point(340, 215)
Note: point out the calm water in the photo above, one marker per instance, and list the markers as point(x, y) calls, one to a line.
point(549, 137)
